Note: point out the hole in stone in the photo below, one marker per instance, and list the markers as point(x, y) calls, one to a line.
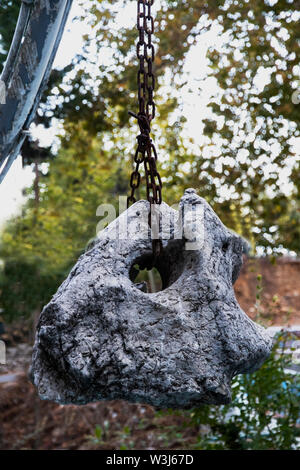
point(225, 245)
point(147, 280)
point(149, 277)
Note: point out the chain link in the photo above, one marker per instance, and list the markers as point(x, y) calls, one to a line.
point(146, 152)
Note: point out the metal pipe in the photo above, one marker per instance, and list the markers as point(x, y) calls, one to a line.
point(29, 73)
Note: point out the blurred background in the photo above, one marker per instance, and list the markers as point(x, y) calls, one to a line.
point(228, 109)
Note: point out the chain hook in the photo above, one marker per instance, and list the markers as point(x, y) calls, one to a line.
point(146, 84)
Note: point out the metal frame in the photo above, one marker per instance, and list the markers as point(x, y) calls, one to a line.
point(37, 36)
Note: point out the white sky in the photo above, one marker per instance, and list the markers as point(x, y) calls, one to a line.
point(195, 103)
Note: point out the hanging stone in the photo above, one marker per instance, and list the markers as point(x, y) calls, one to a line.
point(102, 337)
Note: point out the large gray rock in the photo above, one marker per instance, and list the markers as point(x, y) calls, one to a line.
point(101, 337)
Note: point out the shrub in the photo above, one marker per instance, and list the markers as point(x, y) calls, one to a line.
point(265, 410)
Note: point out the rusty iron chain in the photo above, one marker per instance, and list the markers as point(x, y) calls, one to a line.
point(146, 152)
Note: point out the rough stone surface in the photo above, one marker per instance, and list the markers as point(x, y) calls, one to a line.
point(101, 337)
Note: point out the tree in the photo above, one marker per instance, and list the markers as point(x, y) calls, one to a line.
point(40, 247)
point(248, 146)
point(256, 117)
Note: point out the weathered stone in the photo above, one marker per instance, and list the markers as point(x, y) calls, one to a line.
point(101, 337)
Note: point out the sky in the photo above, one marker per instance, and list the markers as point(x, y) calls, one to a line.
point(195, 103)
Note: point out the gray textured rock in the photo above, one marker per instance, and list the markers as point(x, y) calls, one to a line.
point(101, 337)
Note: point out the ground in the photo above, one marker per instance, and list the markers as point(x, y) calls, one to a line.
point(29, 423)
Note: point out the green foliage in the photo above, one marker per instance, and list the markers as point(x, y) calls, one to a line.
point(100, 434)
point(24, 288)
point(249, 131)
point(125, 438)
point(40, 246)
point(256, 117)
point(248, 143)
point(264, 413)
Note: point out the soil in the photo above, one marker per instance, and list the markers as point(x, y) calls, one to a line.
point(29, 423)
point(280, 294)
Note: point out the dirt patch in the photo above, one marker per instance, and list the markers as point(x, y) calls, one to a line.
point(280, 295)
point(29, 423)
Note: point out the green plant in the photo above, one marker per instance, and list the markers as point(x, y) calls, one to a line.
point(100, 434)
point(265, 410)
point(124, 436)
